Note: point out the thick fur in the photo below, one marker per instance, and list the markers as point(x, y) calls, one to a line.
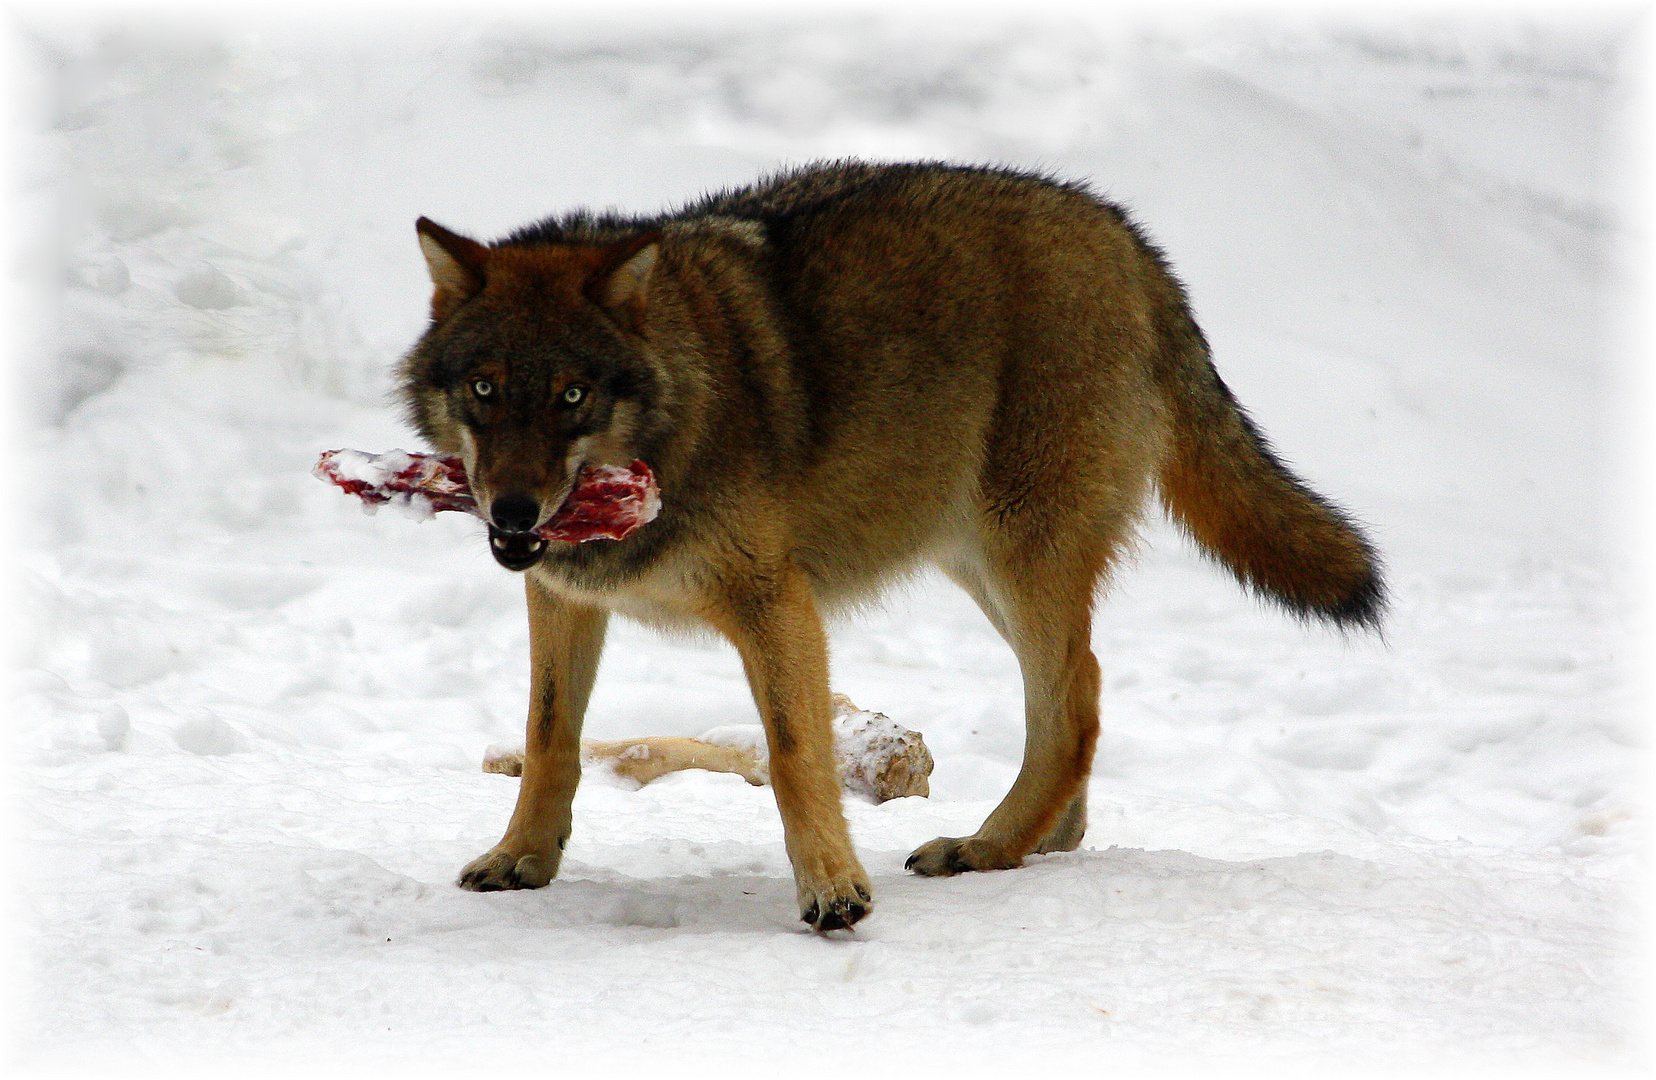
point(838, 374)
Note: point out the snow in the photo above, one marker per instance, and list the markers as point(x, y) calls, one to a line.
point(249, 720)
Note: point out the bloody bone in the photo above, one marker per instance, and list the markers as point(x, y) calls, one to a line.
point(877, 757)
point(607, 503)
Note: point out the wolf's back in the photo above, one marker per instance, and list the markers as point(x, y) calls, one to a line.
point(1223, 483)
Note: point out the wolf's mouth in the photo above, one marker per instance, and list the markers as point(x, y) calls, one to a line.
point(516, 550)
point(607, 502)
point(522, 550)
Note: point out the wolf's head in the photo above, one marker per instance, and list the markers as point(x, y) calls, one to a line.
point(534, 364)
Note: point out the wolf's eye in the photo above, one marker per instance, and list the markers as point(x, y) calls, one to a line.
point(574, 395)
point(482, 387)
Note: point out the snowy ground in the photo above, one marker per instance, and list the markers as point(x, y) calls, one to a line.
point(251, 718)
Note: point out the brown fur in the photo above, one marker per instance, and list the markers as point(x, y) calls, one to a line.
point(838, 374)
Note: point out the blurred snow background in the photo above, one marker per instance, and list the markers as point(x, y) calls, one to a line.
point(249, 719)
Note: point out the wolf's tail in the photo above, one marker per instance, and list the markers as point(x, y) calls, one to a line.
point(1236, 498)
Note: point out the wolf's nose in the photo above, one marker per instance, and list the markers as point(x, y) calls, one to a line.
point(515, 513)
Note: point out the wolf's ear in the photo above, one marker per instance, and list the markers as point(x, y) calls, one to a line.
point(456, 266)
point(622, 285)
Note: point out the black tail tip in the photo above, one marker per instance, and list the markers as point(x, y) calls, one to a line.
point(1363, 607)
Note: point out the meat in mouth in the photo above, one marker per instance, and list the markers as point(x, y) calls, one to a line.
point(608, 502)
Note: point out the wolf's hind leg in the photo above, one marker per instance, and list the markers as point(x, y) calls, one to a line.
point(565, 640)
point(1043, 607)
point(1071, 827)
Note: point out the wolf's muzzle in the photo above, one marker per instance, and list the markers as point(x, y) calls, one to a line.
point(516, 550)
point(512, 540)
point(515, 513)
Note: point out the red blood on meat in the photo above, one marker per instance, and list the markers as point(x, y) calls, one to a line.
point(607, 503)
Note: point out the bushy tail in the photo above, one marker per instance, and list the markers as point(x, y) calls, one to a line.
point(1223, 483)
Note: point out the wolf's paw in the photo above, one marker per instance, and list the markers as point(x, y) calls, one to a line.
point(499, 870)
point(950, 855)
point(835, 908)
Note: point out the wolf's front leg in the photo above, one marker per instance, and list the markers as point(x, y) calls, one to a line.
point(771, 618)
point(565, 640)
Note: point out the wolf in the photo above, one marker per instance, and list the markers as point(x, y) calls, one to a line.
point(838, 374)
